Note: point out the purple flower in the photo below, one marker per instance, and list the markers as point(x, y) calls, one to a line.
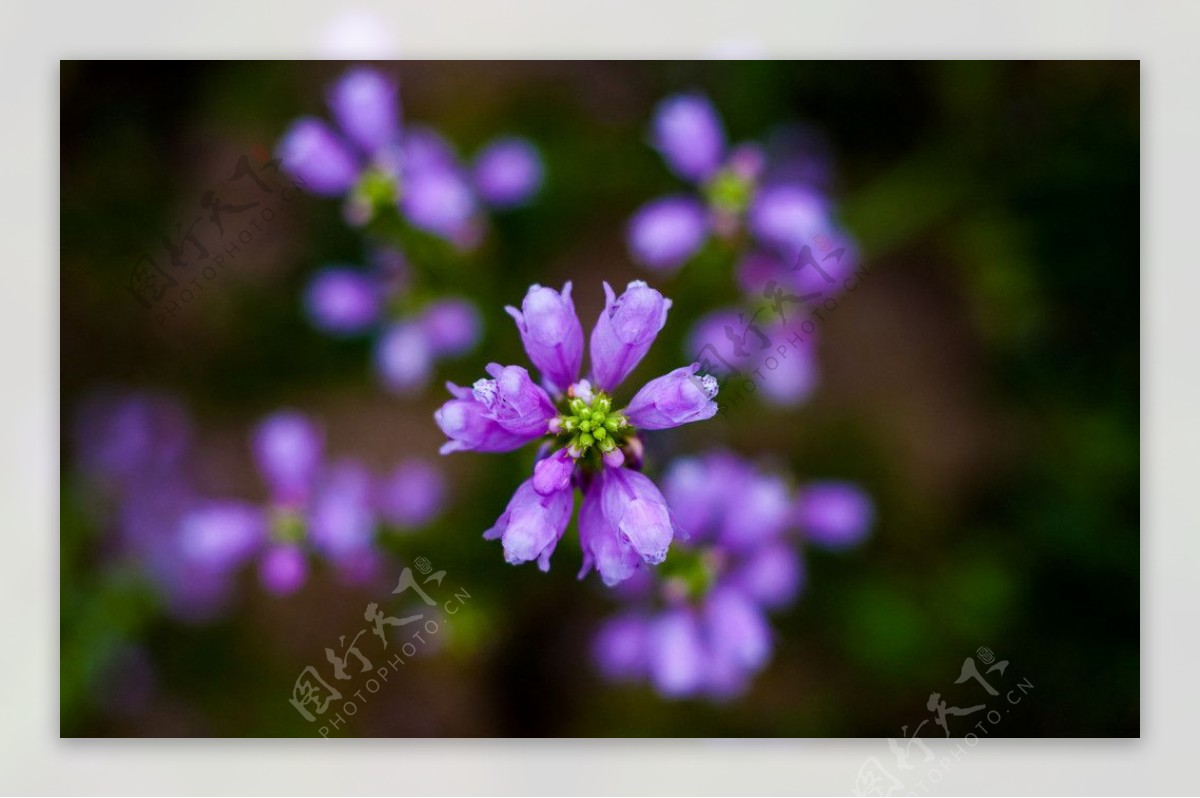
point(624, 332)
point(413, 495)
point(343, 301)
point(551, 333)
point(364, 103)
point(532, 524)
point(834, 515)
point(688, 133)
point(667, 231)
point(508, 172)
point(624, 520)
point(288, 451)
point(677, 398)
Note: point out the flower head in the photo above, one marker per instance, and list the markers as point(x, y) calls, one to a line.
point(591, 444)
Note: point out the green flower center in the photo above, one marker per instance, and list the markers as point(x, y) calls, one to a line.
point(286, 525)
point(580, 425)
point(729, 192)
point(376, 190)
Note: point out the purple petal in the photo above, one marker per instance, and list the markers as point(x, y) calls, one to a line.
point(341, 521)
point(532, 524)
point(773, 575)
point(283, 569)
point(764, 509)
point(605, 548)
point(625, 331)
point(404, 357)
point(438, 201)
point(696, 500)
point(288, 450)
point(413, 495)
point(364, 104)
point(552, 474)
point(834, 515)
point(620, 647)
point(664, 233)
point(127, 436)
point(677, 398)
point(343, 301)
point(317, 158)
point(425, 149)
point(737, 629)
point(551, 333)
point(677, 657)
point(471, 427)
point(688, 133)
point(632, 504)
point(788, 216)
point(508, 172)
point(515, 401)
point(222, 535)
point(451, 326)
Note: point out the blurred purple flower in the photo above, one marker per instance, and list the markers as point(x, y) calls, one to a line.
point(704, 631)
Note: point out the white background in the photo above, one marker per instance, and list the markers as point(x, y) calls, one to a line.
point(35, 35)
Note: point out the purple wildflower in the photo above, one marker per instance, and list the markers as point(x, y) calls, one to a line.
point(704, 631)
point(624, 521)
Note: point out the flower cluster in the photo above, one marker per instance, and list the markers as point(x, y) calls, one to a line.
point(588, 443)
point(776, 215)
point(134, 448)
point(375, 163)
point(702, 629)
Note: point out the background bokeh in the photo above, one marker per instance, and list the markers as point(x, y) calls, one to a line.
point(981, 384)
